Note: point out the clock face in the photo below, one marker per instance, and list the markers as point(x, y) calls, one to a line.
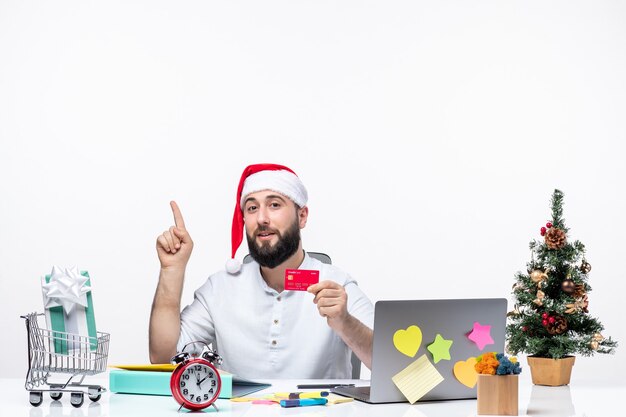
point(199, 384)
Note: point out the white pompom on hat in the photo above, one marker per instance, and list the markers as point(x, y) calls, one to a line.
point(260, 177)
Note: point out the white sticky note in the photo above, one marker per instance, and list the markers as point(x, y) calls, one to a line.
point(417, 379)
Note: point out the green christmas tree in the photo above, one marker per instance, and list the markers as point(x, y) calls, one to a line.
point(551, 316)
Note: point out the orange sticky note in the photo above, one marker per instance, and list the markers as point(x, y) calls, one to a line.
point(466, 374)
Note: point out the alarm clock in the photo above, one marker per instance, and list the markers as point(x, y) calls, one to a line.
point(195, 382)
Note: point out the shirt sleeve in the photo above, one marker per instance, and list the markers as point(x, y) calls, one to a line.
point(359, 306)
point(196, 323)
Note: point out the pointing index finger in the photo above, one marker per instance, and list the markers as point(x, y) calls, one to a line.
point(178, 217)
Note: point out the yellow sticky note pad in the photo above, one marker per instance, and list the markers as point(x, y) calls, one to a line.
point(338, 399)
point(154, 367)
point(417, 379)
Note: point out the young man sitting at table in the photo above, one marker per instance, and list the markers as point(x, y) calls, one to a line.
point(261, 330)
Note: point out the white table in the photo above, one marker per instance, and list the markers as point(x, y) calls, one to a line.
point(579, 399)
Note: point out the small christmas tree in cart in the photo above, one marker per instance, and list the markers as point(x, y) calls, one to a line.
point(551, 320)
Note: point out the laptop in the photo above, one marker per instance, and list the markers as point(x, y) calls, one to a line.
point(454, 320)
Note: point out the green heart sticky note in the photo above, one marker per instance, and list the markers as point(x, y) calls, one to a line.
point(408, 341)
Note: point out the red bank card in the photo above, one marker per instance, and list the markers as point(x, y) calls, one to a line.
point(300, 279)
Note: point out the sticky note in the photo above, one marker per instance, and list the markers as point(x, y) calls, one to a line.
point(408, 341)
point(417, 379)
point(440, 348)
point(251, 399)
point(156, 367)
point(465, 372)
point(481, 335)
point(338, 399)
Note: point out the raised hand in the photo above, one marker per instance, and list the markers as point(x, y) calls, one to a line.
point(174, 246)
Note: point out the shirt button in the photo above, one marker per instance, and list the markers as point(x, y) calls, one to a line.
point(278, 298)
point(273, 342)
point(275, 321)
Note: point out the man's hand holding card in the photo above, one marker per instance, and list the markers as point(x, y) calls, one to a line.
point(332, 302)
point(330, 297)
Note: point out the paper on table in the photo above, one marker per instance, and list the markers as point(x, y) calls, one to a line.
point(338, 399)
point(417, 379)
point(158, 367)
point(332, 399)
point(154, 367)
point(141, 380)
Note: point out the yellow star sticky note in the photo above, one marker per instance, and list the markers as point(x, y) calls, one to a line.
point(417, 379)
point(440, 348)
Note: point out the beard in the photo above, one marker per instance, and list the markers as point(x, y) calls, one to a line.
point(271, 256)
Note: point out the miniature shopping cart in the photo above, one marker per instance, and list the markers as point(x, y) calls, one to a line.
point(52, 352)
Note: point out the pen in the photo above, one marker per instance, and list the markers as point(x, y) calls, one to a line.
point(303, 402)
point(322, 386)
point(296, 395)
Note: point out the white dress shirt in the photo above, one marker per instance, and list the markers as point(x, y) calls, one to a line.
point(261, 333)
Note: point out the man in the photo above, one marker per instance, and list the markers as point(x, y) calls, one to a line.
point(260, 330)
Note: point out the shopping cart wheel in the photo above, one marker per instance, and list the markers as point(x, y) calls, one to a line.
point(77, 399)
point(35, 398)
point(55, 395)
point(94, 392)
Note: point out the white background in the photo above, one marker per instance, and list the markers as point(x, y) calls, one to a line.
point(430, 135)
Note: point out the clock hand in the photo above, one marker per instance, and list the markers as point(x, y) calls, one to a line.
point(202, 380)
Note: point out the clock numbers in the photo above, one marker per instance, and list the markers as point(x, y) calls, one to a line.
point(197, 386)
point(200, 391)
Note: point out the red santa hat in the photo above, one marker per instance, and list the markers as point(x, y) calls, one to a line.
point(261, 177)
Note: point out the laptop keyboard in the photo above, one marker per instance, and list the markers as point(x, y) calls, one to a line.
point(361, 393)
point(363, 390)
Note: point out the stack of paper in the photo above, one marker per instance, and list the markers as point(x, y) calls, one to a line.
point(154, 379)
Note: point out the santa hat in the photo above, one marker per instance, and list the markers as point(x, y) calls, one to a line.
point(261, 177)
